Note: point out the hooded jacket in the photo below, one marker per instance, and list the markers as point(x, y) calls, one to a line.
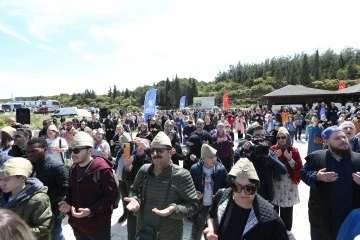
point(263, 222)
point(96, 190)
point(33, 205)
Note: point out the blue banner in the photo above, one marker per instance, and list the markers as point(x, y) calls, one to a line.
point(150, 103)
point(182, 102)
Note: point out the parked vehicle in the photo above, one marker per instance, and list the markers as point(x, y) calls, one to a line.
point(71, 112)
point(41, 110)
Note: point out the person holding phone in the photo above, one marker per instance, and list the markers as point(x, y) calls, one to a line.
point(132, 165)
point(124, 153)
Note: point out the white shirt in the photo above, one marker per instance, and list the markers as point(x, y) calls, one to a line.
point(56, 143)
point(208, 186)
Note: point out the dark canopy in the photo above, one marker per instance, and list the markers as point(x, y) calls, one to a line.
point(291, 94)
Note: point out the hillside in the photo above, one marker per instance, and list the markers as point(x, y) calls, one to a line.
point(245, 82)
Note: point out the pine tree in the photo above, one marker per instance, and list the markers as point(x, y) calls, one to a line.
point(304, 77)
point(109, 92)
point(176, 91)
point(115, 93)
point(167, 99)
point(127, 93)
point(316, 66)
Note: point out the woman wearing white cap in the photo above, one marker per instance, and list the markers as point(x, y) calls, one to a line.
point(56, 144)
point(239, 212)
point(101, 146)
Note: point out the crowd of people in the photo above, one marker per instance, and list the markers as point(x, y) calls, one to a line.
point(231, 173)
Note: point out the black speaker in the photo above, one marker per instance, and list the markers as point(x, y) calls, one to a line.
point(103, 112)
point(23, 115)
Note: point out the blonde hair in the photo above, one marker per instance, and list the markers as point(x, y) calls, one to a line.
point(13, 227)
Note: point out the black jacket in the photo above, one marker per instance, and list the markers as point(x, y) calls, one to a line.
point(54, 175)
point(319, 198)
point(263, 222)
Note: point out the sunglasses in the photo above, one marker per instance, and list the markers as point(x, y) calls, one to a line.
point(76, 150)
point(158, 150)
point(280, 138)
point(249, 189)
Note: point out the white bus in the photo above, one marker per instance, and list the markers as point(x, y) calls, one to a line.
point(52, 105)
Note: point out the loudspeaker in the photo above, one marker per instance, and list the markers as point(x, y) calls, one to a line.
point(23, 115)
point(103, 112)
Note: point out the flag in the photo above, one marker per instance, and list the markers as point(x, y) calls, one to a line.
point(182, 102)
point(150, 103)
point(226, 101)
point(342, 85)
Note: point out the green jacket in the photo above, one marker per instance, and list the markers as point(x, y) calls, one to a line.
point(182, 196)
point(33, 205)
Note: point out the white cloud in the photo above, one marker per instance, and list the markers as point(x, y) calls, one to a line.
point(46, 17)
point(47, 48)
point(89, 57)
point(76, 45)
point(36, 32)
point(7, 30)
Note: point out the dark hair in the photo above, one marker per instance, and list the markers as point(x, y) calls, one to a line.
point(13, 227)
point(38, 140)
point(250, 130)
point(5, 140)
point(27, 132)
point(252, 181)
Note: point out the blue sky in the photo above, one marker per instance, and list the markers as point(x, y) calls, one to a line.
point(48, 47)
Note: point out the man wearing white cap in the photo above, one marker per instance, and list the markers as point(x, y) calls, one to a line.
point(209, 175)
point(167, 193)
point(334, 177)
point(92, 192)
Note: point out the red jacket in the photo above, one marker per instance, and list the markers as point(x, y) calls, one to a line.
point(96, 190)
point(230, 119)
point(293, 172)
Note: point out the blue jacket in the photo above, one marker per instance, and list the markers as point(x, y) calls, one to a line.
point(219, 177)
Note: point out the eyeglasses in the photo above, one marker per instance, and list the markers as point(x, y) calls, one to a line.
point(76, 150)
point(158, 150)
point(249, 189)
point(283, 137)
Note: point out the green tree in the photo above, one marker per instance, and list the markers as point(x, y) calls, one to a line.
point(115, 92)
point(110, 92)
point(317, 65)
point(351, 70)
point(304, 77)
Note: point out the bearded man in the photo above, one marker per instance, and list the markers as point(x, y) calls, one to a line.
point(333, 175)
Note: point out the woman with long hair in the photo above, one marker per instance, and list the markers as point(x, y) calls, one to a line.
point(6, 141)
point(13, 227)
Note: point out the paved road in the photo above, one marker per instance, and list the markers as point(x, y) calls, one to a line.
point(301, 227)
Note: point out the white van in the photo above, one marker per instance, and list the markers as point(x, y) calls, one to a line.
point(70, 111)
